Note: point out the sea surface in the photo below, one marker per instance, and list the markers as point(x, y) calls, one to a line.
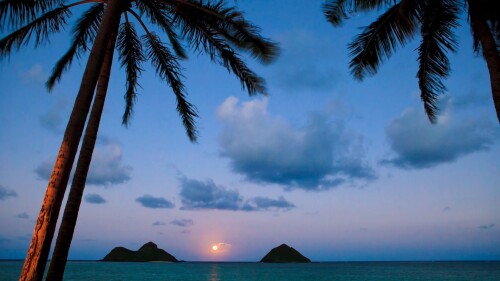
point(205, 271)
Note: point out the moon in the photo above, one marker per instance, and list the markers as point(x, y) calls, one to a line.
point(214, 247)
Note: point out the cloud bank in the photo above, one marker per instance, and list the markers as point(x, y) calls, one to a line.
point(296, 72)
point(6, 193)
point(417, 144)
point(320, 155)
point(487, 226)
point(93, 198)
point(182, 222)
point(53, 120)
point(152, 202)
point(198, 195)
point(263, 203)
point(105, 169)
point(23, 216)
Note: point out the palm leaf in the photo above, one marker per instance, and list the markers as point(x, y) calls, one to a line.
point(438, 19)
point(131, 56)
point(84, 31)
point(221, 52)
point(207, 40)
point(365, 5)
point(380, 39)
point(336, 11)
point(245, 36)
point(226, 22)
point(486, 11)
point(249, 79)
point(168, 69)
point(155, 10)
point(50, 22)
point(17, 12)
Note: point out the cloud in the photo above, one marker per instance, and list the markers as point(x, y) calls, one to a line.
point(320, 155)
point(307, 76)
point(196, 195)
point(149, 201)
point(94, 199)
point(23, 216)
point(53, 119)
point(296, 72)
point(182, 222)
point(105, 169)
point(417, 144)
point(262, 203)
point(44, 170)
point(471, 99)
point(207, 195)
point(221, 247)
point(35, 74)
point(159, 223)
point(486, 227)
point(6, 193)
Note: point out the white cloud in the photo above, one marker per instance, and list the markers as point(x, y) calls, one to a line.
point(105, 169)
point(418, 144)
point(319, 155)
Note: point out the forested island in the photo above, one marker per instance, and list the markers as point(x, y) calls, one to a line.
point(284, 254)
point(147, 253)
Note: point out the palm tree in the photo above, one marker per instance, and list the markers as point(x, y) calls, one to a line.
point(39, 19)
point(131, 55)
point(208, 27)
point(436, 20)
point(70, 215)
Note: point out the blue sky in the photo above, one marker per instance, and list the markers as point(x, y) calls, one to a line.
point(338, 169)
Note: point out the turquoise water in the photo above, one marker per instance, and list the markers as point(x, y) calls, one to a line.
point(352, 271)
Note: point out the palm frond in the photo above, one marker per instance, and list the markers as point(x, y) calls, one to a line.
point(336, 11)
point(246, 36)
point(155, 11)
point(17, 12)
point(366, 5)
point(486, 11)
point(131, 56)
point(380, 39)
point(168, 69)
point(50, 22)
point(228, 23)
point(249, 79)
point(83, 32)
point(222, 53)
point(438, 19)
point(208, 41)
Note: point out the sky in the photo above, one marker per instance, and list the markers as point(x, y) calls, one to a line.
point(339, 169)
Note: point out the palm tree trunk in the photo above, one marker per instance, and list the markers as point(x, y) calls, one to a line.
point(68, 223)
point(38, 252)
point(490, 51)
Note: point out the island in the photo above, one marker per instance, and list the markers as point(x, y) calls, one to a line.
point(147, 253)
point(284, 254)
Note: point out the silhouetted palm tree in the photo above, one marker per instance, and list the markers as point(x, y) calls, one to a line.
point(208, 27)
point(437, 20)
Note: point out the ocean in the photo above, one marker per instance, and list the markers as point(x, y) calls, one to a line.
point(208, 271)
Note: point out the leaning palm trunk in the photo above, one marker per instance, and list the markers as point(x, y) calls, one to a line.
point(38, 252)
point(490, 52)
point(68, 223)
